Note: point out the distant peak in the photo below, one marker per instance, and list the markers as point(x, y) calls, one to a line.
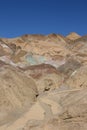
point(52, 35)
point(73, 36)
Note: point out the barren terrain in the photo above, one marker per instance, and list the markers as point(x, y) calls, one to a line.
point(43, 82)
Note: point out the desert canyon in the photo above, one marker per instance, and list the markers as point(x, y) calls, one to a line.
point(43, 82)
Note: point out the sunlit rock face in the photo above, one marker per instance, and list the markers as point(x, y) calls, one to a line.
point(73, 36)
point(43, 82)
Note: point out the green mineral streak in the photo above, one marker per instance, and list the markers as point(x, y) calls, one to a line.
point(42, 59)
point(33, 61)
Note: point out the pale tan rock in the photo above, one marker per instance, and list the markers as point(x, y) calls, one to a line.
point(78, 78)
point(73, 36)
point(16, 93)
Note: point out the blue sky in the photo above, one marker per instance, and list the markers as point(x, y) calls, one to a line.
point(18, 17)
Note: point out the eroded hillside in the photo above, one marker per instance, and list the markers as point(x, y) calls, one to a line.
point(43, 82)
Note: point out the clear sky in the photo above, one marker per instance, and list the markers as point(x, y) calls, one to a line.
point(18, 17)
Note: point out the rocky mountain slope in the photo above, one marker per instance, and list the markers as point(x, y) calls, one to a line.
point(43, 82)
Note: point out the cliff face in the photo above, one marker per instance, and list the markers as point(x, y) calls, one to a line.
point(43, 82)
